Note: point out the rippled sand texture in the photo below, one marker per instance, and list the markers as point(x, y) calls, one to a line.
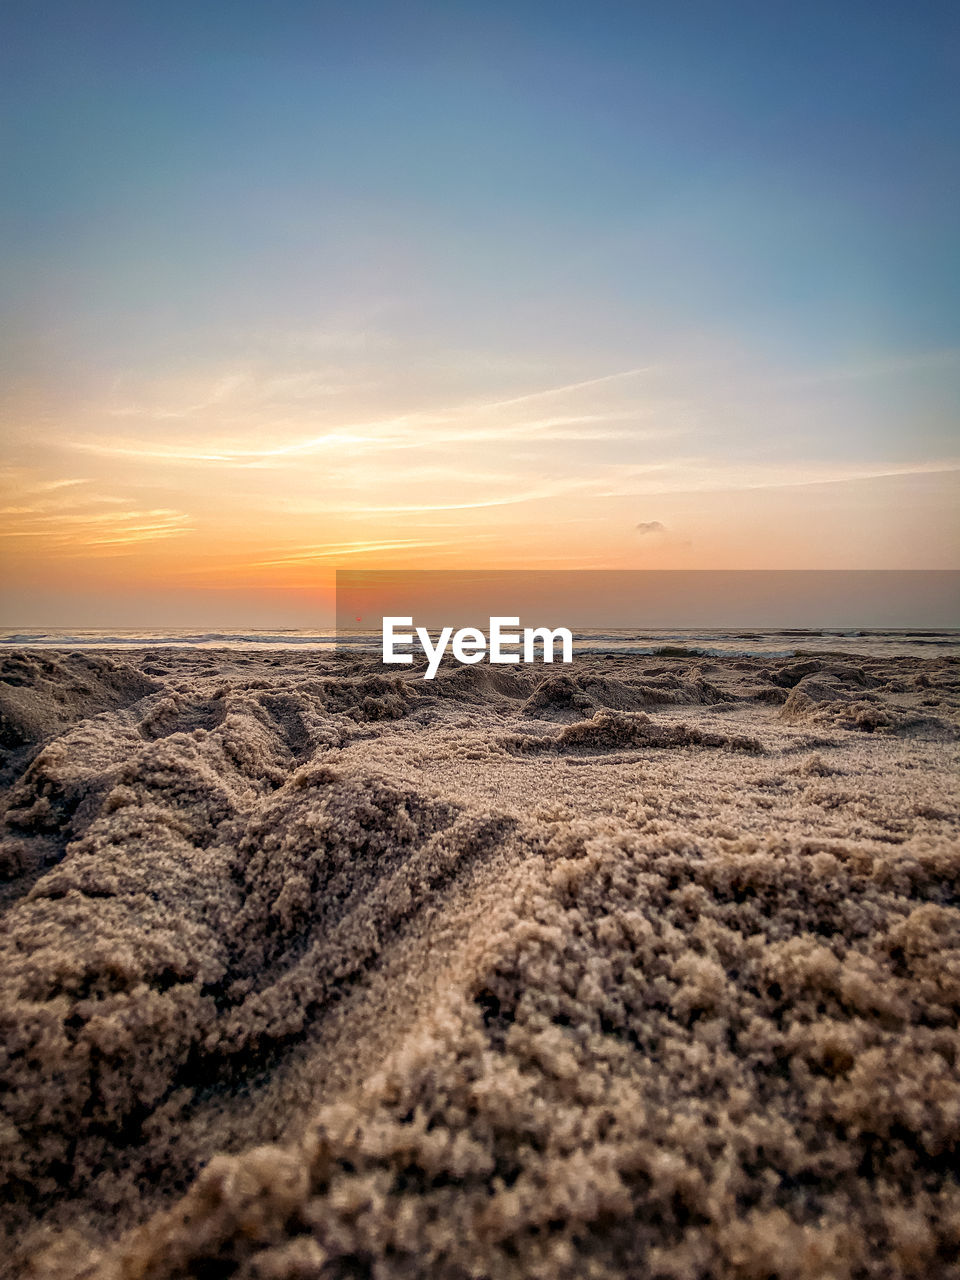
point(640, 968)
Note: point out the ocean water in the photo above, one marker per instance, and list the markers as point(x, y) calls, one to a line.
point(696, 642)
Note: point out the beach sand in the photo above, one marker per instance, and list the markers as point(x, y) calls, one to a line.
point(643, 967)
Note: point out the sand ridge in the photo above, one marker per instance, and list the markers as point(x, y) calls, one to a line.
point(649, 967)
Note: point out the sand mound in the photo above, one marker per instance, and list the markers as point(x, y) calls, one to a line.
point(681, 1063)
point(313, 970)
point(608, 730)
point(823, 698)
point(565, 697)
point(790, 674)
point(368, 697)
point(478, 684)
point(40, 694)
point(156, 958)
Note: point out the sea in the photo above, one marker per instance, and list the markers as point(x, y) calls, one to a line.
point(782, 643)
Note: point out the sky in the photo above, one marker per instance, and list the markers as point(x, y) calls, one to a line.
point(287, 287)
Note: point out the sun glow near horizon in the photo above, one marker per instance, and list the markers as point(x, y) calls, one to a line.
point(616, 471)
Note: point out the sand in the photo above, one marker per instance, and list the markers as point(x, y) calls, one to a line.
point(645, 967)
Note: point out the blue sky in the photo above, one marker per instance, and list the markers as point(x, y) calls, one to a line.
point(231, 223)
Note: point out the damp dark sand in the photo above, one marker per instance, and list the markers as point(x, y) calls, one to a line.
point(648, 967)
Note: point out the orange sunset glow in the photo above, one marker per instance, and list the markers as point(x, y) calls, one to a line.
point(250, 492)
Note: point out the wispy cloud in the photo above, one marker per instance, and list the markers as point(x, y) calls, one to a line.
point(51, 486)
point(513, 493)
point(566, 388)
point(351, 497)
point(231, 396)
point(229, 454)
point(258, 468)
point(336, 550)
point(56, 518)
point(472, 422)
point(416, 431)
point(702, 475)
point(70, 531)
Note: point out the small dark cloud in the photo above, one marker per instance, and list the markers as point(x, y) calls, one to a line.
point(651, 526)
